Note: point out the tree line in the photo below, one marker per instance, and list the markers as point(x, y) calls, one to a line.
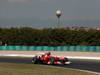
point(49, 37)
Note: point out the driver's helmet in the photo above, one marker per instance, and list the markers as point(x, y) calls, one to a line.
point(48, 53)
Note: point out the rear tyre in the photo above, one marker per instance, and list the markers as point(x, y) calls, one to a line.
point(35, 60)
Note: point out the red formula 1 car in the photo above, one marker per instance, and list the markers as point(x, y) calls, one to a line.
point(47, 58)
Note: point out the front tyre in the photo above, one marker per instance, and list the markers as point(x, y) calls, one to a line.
point(66, 59)
point(63, 61)
point(67, 62)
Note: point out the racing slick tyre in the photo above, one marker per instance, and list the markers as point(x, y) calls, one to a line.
point(52, 59)
point(63, 61)
point(35, 60)
point(67, 62)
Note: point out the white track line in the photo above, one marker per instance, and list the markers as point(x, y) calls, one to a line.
point(83, 57)
point(76, 70)
point(71, 57)
point(85, 71)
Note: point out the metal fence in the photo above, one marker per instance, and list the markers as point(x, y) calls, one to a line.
point(53, 48)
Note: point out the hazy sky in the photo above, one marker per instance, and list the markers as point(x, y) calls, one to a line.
point(45, 9)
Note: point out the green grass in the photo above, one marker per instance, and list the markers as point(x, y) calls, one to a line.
point(30, 69)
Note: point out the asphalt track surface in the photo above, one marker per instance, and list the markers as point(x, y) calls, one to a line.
point(88, 65)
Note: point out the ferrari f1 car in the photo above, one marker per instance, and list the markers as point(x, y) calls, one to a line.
point(47, 58)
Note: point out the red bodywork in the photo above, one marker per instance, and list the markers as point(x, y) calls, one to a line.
point(54, 59)
point(46, 58)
